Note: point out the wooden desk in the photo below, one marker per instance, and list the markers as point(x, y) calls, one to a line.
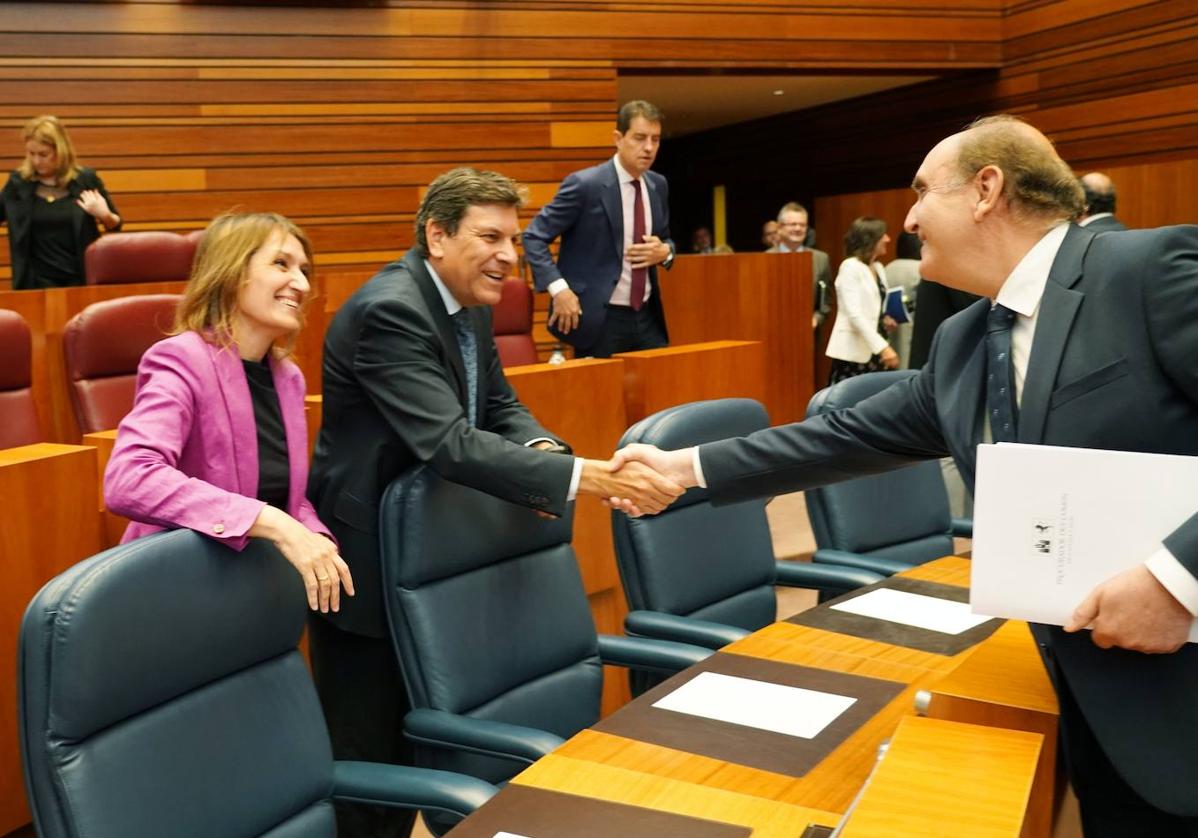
point(608, 767)
point(48, 494)
point(114, 525)
point(655, 379)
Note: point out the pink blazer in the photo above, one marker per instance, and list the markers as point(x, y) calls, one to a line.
point(187, 454)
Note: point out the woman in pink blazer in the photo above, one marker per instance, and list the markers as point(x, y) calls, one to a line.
point(216, 441)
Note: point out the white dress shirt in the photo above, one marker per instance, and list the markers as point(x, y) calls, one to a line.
point(1022, 292)
point(452, 307)
point(623, 291)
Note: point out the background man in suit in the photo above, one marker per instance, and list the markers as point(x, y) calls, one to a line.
point(411, 375)
point(1090, 342)
point(614, 222)
point(792, 238)
point(1099, 214)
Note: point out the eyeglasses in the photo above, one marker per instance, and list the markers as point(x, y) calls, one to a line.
point(921, 191)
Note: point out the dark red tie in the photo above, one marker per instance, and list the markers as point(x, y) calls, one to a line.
point(639, 275)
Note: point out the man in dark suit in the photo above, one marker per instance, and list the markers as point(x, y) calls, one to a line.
point(1099, 215)
point(614, 222)
point(1090, 342)
point(411, 375)
point(793, 230)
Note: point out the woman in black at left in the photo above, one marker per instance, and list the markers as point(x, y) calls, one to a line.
point(54, 209)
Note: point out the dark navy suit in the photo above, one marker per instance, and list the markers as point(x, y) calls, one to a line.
point(1113, 365)
point(588, 215)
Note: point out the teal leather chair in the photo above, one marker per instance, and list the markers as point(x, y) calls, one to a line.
point(887, 522)
point(700, 573)
point(493, 629)
point(161, 694)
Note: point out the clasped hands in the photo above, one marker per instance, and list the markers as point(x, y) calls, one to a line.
point(639, 479)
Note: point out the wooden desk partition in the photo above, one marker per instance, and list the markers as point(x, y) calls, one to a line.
point(48, 494)
point(655, 379)
point(751, 296)
point(114, 525)
point(947, 778)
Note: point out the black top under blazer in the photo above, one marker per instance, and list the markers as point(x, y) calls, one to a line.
point(16, 209)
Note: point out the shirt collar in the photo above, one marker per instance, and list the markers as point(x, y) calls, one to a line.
point(1023, 288)
point(622, 173)
point(1095, 217)
point(782, 247)
point(452, 306)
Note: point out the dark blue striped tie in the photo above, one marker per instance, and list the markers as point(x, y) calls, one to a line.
point(1000, 375)
point(468, 343)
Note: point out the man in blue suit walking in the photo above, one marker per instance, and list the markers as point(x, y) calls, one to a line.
point(614, 223)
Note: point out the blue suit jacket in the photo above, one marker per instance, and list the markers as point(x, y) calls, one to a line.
point(1114, 365)
point(588, 215)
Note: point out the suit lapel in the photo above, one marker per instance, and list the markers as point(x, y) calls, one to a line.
point(655, 206)
point(443, 326)
point(964, 392)
point(1058, 308)
point(239, 408)
point(609, 196)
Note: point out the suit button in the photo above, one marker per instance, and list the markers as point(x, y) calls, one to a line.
point(218, 528)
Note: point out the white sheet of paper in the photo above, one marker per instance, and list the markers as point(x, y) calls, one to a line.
point(509, 835)
point(926, 612)
point(1051, 523)
point(793, 711)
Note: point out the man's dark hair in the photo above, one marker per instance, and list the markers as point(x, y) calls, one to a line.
point(453, 193)
point(1098, 200)
point(637, 107)
point(908, 246)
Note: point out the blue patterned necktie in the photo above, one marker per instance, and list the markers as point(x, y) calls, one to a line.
point(1000, 375)
point(468, 343)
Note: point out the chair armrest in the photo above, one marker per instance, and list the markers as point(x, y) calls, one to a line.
point(825, 577)
point(450, 731)
point(962, 527)
point(876, 564)
point(662, 626)
point(405, 787)
point(649, 655)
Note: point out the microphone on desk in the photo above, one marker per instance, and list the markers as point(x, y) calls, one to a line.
point(817, 831)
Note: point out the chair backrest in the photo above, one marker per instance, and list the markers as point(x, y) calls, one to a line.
point(161, 693)
point(18, 416)
point(488, 612)
point(694, 559)
point(151, 256)
point(511, 323)
point(902, 514)
point(102, 346)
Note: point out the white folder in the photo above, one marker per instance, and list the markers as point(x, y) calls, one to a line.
point(1051, 523)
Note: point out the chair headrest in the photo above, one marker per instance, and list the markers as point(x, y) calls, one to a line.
point(451, 529)
point(697, 423)
point(16, 350)
point(856, 389)
point(151, 256)
point(512, 315)
point(148, 621)
point(109, 337)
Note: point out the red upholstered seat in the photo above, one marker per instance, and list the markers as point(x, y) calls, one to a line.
point(512, 324)
point(18, 417)
point(102, 346)
point(153, 256)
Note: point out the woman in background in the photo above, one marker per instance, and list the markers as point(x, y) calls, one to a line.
point(858, 343)
point(54, 209)
point(216, 441)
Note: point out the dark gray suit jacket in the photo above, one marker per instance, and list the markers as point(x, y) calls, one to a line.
point(394, 396)
point(588, 214)
point(1114, 365)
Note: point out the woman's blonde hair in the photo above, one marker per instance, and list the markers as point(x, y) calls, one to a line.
point(48, 130)
point(221, 262)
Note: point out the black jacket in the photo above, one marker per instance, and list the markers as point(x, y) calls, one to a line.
point(16, 210)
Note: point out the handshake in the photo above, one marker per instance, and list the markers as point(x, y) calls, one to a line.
point(639, 479)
